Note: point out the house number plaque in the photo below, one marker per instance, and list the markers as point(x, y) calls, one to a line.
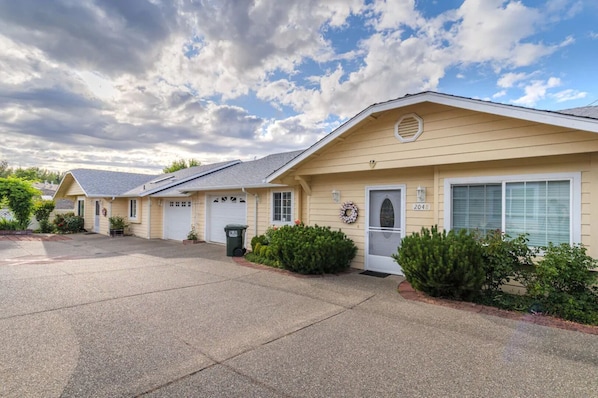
point(421, 206)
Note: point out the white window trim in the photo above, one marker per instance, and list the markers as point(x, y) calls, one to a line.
point(275, 222)
point(575, 195)
point(136, 218)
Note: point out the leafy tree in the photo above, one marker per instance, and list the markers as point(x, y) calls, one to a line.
point(180, 164)
point(19, 194)
point(30, 173)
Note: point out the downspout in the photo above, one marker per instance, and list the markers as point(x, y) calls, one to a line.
point(256, 199)
point(149, 218)
point(110, 213)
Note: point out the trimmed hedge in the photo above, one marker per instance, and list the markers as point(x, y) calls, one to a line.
point(442, 264)
point(305, 249)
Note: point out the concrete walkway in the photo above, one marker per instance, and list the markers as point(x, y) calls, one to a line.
point(102, 317)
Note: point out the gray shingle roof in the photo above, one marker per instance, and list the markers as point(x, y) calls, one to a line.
point(166, 181)
point(102, 183)
point(242, 175)
point(585, 111)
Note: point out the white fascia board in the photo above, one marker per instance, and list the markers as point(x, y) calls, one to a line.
point(232, 187)
point(513, 111)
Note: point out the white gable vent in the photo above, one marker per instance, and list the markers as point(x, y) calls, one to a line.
point(409, 127)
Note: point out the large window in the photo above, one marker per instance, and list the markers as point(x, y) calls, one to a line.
point(133, 209)
point(282, 207)
point(546, 208)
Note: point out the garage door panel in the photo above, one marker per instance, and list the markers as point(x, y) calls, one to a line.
point(177, 219)
point(224, 210)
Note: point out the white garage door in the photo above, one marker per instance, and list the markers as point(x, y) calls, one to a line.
point(223, 210)
point(177, 218)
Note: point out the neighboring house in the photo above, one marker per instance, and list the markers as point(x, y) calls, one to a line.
point(97, 194)
point(239, 195)
point(167, 206)
point(434, 159)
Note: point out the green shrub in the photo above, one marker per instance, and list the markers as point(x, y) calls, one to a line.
point(442, 264)
point(258, 239)
point(9, 225)
point(68, 223)
point(42, 210)
point(311, 250)
point(564, 285)
point(504, 259)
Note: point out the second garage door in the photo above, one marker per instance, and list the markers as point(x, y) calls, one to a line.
point(177, 219)
point(223, 210)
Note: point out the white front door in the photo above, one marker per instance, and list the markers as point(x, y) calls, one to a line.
point(96, 219)
point(385, 227)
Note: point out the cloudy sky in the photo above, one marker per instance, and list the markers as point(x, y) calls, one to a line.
point(133, 85)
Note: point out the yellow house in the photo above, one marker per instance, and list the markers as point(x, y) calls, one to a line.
point(436, 159)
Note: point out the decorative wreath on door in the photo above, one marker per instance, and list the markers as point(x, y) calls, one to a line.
point(349, 213)
point(104, 212)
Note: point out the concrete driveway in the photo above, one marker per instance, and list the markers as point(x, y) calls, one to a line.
point(102, 317)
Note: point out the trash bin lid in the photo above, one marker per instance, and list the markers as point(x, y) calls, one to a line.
point(235, 226)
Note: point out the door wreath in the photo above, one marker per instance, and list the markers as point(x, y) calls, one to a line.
point(349, 212)
point(104, 212)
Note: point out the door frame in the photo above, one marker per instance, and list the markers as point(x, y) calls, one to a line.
point(97, 210)
point(368, 189)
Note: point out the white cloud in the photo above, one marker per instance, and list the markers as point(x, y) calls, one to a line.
point(510, 79)
point(568, 95)
point(141, 90)
point(536, 91)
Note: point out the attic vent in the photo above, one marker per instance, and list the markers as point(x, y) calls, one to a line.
point(409, 127)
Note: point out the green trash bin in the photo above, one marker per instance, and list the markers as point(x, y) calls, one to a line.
point(235, 239)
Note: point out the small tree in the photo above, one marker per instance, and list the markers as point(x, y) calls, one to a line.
point(42, 210)
point(20, 196)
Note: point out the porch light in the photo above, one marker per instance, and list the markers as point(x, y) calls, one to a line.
point(421, 194)
point(336, 196)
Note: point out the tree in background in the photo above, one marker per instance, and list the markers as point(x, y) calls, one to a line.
point(180, 164)
point(30, 173)
point(19, 194)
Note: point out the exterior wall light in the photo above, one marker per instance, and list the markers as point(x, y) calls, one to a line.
point(421, 194)
point(336, 196)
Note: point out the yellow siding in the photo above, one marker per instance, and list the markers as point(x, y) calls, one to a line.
point(450, 136)
point(156, 229)
point(323, 211)
point(199, 214)
point(74, 189)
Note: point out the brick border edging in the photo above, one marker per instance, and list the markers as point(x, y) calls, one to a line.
point(407, 292)
point(35, 237)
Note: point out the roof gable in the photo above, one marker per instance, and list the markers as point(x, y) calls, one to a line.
point(559, 119)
